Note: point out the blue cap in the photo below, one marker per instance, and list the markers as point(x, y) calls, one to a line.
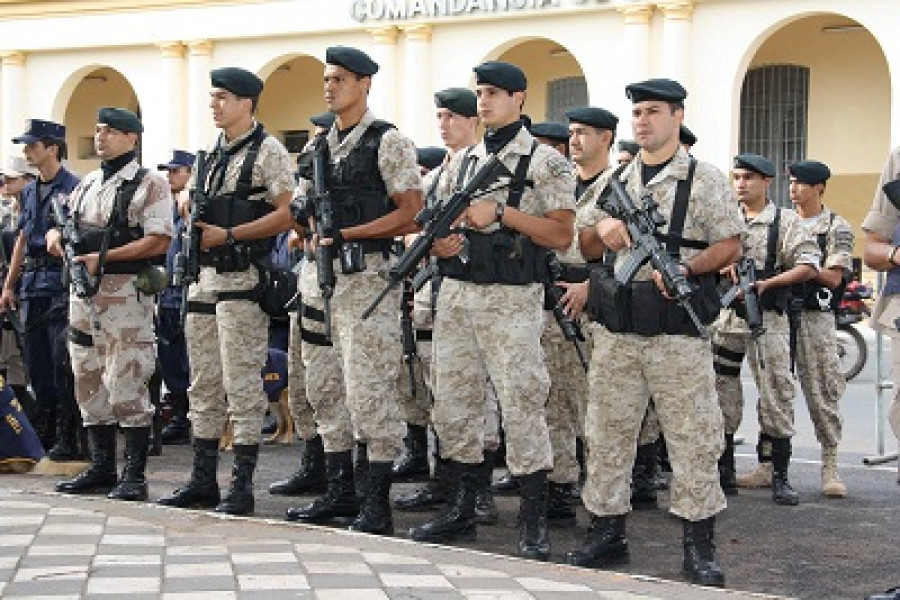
point(121, 119)
point(504, 75)
point(551, 130)
point(352, 59)
point(180, 158)
point(756, 163)
point(275, 374)
point(37, 129)
point(810, 172)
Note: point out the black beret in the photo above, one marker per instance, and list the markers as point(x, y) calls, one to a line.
point(180, 158)
point(505, 76)
point(121, 119)
point(430, 157)
point(326, 120)
point(351, 59)
point(756, 163)
point(629, 146)
point(686, 136)
point(240, 82)
point(551, 131)
point(595, 117)
point(462, 101)
point(810, 172)
point(37, 129)
point(656, 89)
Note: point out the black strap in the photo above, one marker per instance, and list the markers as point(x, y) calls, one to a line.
point(80, 338)
point(430, 197)
point(217, 174)
point(124, 195)
point(732, 355)
point(772, 242)
point(201, 308)
point(674, 240)
point(249, 295)
point(312, 313)
point(423, 335)
point(518, 183)
point(822, 239)
point(316, 339)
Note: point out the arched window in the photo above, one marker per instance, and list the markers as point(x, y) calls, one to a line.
point(563, 94)
point(774, 119)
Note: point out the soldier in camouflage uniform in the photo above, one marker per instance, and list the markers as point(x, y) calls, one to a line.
point(374, 183)
point(818, 368)
point(249, 188)
point(489, 312)
point(111, 338)
point(648, 345)
point(784, 255)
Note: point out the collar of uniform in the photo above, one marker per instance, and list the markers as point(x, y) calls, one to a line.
point(520, 144)
point(335, 144)
point(226, 144)
point(765, 216)
point(601, 180)
point(125, 173)
point(822, 222)
point(677, 168)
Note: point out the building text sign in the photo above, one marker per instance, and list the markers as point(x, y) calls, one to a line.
point(389, 10)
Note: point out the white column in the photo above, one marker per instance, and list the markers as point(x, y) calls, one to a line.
point(384, 93)
point(12, 99)
point(200, 126)
point(676, 40)
point(636, 36)
point(169, 114)
point(417, 99)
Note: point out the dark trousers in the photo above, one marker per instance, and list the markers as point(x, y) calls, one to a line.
point(172, 350)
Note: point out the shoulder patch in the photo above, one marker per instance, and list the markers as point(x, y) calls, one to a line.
point(558, 166)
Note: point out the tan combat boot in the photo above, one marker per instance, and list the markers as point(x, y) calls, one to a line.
point(761, 477)
point(832, 486)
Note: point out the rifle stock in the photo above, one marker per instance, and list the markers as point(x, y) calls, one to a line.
point(79, 277)
point(745, 269)
point(570, 328)
point(324, 218)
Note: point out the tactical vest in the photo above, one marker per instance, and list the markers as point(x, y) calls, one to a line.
point(772, 299)
point(357, 189)
point(117, 232)
point(230, 209)
point(814, 295)
point(504, 256)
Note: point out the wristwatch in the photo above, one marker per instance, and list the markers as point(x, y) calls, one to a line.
point(229, 237)
point(498, 213)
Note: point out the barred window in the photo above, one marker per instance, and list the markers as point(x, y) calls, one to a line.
point(774, 120)
point(563, 94)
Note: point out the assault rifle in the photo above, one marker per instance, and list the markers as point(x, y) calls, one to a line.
point(745, 270)
point(84, 285)
point(324, 216)
point(186, 267)
point(642, 225)
point(570, 328)
point(408, 334)
point(437, 222)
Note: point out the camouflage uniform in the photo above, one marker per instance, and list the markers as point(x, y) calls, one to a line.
point(114, 357)
point(818, 369)
point(676, 370)
point(731, 336)
point(228, 349)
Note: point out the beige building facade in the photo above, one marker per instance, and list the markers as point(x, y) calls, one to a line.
point(789, 78)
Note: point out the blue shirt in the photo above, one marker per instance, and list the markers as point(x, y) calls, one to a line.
point(35, 220)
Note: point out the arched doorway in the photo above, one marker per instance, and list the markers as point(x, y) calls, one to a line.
point(292, 94)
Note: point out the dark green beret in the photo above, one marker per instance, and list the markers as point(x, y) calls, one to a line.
point(430, 157)
point(351, 59)
point(595, 117)
point(240, 82)
point(462, 101)
point(629, 146)
point(756, 163)
point(656, 89)
point(326, 119)
point(121, 119)
point(686, 136)
point(810, 172)
point(551, 131)
point(505, 76)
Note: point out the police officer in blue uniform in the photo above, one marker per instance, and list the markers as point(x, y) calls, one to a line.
point(172, 361)
point(43, 295)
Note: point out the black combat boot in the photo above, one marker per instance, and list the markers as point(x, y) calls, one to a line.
point(310, 478)
point(604, 545)
point(457, 519)
point(782, 492)
point(486, 512)
point(202, 489)
point(339, 501)
point(581, 457)
point(699, 553)
point(68, 422)
point(133, 485)
point(643, 477)
point(375, 513)
point(100, 477)
point(178, 430)
point(727, 473)
point(361, 470)
point(238, 499)
point(559, 505)
point(413, 465)
point(507, 485)
point(431, 495)
point(534, 535)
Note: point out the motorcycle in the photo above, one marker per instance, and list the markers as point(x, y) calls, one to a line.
point(851, 345)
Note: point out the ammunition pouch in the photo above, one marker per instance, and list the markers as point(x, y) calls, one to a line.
point(230, 210)
point(98, 239)
point(505, 257)
point(277, 289)
point(818, 297)
point(640, 307)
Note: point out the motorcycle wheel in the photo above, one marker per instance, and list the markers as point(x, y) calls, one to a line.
point(852, 350)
